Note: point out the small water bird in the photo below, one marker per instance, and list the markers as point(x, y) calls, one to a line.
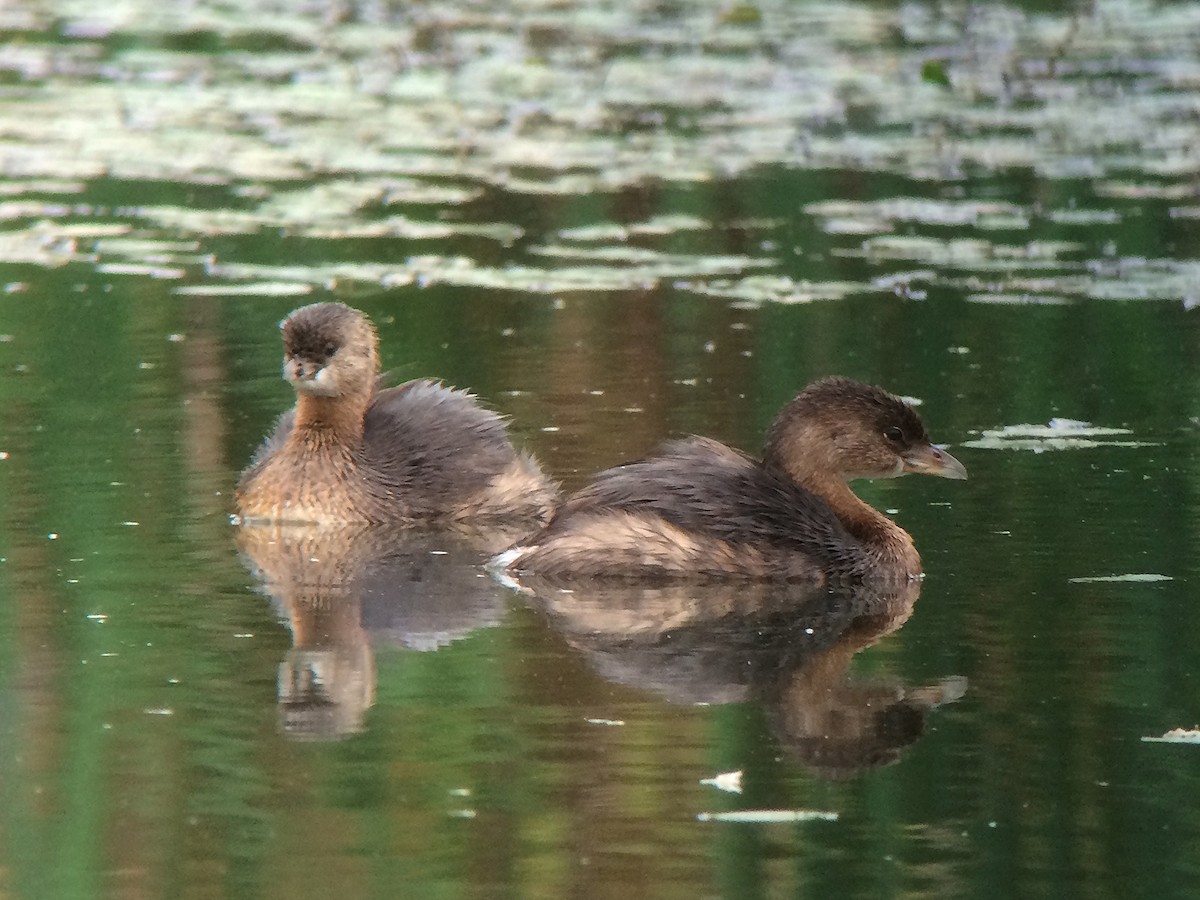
point(702, 509)
point(351, 452)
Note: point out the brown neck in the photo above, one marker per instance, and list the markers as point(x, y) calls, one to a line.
point(882, 537)
point(805, 451)
point(329, 419)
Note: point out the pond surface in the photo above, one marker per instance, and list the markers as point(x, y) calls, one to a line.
point(617, 223)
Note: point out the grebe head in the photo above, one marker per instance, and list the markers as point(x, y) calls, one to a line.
point(838, 426)
point(329, 350)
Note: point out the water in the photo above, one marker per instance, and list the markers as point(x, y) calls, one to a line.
point(616, 223)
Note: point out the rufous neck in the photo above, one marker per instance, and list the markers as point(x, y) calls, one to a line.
point(335, 419)
point(882, 537)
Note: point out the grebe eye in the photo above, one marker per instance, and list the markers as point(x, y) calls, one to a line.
point(893, 434)
point(330, 349)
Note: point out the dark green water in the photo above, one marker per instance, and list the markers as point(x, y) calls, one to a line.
point(616, 223)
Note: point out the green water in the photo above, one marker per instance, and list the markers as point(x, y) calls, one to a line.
point(616, 223)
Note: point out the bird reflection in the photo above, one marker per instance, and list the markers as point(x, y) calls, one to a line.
point(788, 646)
point(340, 590)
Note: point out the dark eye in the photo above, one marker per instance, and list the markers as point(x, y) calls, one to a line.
point(330, 349)
point(893, 434)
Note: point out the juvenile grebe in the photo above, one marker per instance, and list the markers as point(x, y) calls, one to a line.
point(704, 509)
point(352, 453)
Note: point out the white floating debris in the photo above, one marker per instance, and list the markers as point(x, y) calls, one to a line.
point(131, 524)
point(52, 536)
point(244, 634)
point(726, 781)
point(1176, 736)
point(159, 711)
point(769, 816)
point(1012, 299)
point(1133, 576)
point(97, 617)
point(1056, 427)
point(139, 269)
point(460, 792)
point(609, 722)
point(1057, 434)
point(462, 813)
point(754, 290)
point(258, 289)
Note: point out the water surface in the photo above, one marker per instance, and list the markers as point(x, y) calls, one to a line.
point(617, 223)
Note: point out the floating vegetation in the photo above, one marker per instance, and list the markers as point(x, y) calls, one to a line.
point(1136, 577)
point(658, 225)
point(756, 290)
point(37, 247)
point(144, 247)
point(1084, 216)
point(1176, 736)
point(367, 133)
point(769, 816)
point(151, 271)
point(1058, 434)
point(664, 264)
point(731, 782)
point(950, 213)
point(955, 252)
point(251, 289)
point(333, 200)
point(18, 186)
point(965, 253)
point(402, 227)
point(1010, 299)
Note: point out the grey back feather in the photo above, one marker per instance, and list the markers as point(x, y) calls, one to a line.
point(703, 486)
